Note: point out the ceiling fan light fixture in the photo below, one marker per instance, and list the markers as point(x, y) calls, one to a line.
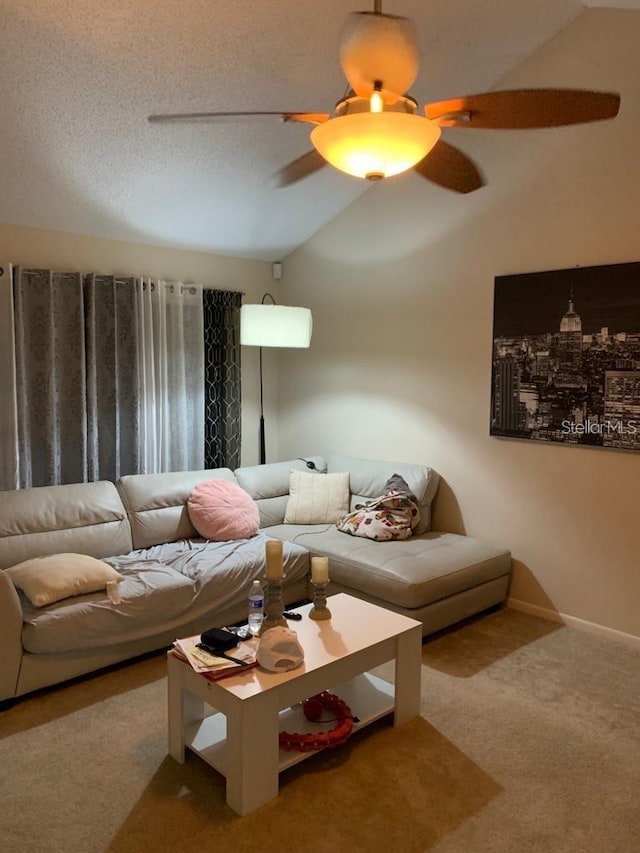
point(375, 145)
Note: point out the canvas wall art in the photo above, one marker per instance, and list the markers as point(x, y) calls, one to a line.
point(566, 356)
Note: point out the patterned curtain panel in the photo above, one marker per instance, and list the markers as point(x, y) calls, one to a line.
point(76, 377)
point(222, 404)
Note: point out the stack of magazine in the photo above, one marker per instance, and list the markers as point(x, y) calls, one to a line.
point(215, 666)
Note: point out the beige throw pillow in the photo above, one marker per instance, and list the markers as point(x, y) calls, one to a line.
point(316, 498)
point(56, 576)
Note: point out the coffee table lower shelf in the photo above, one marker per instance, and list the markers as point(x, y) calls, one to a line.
point(368, 697)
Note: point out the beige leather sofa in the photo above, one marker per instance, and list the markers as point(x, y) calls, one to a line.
point(176, 584)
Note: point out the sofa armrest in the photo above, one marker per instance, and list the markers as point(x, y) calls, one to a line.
point(10, 637)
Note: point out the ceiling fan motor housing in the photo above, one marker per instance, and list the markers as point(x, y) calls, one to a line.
point(379, 47)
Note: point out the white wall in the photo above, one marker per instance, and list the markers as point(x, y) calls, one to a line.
point(401, 289)
point(36, 247)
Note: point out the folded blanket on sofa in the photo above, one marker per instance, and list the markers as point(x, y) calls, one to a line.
point(393, 515)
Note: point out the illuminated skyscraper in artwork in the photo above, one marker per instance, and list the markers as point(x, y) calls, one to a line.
point(570, 342)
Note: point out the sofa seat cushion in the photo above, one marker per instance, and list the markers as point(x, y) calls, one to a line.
point(222, 572)
point(410, 573)
point(151, 594)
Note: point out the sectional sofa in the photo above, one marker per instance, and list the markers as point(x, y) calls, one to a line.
point(175, 583)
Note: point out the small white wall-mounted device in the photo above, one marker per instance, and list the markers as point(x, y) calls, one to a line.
point(277, 270)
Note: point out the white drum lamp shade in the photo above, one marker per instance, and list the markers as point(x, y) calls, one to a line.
point(275, 326)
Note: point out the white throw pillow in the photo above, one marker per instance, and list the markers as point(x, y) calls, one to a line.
point(56, 576)
point(316, 498)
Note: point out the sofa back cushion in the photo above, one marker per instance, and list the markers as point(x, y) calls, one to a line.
point(157, 504)
point(84, 518)
point(268, 485)
point(369, 476)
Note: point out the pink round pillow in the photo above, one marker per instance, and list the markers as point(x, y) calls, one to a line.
point(221, 510)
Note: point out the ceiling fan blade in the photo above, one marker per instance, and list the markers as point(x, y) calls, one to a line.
point(525, 108)
point(312, 118)
point(300, 168)
point(448, 167)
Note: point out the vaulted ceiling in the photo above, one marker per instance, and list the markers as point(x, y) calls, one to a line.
point(78, 79)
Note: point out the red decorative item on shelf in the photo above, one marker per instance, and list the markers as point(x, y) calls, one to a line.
point(313, 708)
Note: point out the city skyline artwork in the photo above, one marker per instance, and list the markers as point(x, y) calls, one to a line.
point(566, 356)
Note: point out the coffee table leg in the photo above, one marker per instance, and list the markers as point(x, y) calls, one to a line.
point(252, 753)
point(408, 676)
point(184, 707)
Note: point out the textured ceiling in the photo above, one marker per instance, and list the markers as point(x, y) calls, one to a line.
point(78, 79)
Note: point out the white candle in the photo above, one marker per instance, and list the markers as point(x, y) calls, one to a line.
point(320, 569)
point(273, 552)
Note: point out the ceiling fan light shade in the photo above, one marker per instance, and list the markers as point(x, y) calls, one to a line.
point(378, 47)
point(375, 145)
point(275, 326)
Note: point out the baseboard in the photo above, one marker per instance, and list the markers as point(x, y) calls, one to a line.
point(574, 622)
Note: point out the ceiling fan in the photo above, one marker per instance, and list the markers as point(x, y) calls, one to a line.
point(376, 130)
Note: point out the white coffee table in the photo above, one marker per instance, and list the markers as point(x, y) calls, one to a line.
point(240, 739)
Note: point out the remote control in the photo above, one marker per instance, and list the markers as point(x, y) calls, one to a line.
point(288, 614)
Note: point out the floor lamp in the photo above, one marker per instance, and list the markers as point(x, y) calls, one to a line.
point(272, 325)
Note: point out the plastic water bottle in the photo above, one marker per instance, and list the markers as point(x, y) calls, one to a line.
point(256, 607)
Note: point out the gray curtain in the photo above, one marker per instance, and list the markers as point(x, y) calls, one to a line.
point(77, 384)
point(222, 402)
point(113, 388)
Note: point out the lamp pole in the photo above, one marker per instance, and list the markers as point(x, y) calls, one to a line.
point(263, 448)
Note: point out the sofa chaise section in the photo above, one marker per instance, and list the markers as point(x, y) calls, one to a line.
point(436, 577)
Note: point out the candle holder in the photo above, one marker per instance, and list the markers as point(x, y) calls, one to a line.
point(319, 612)
point(273, 606)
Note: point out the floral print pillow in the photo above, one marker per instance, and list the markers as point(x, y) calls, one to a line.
point(391, 516)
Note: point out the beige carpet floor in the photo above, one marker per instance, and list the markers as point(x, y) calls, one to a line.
point(529, 740)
